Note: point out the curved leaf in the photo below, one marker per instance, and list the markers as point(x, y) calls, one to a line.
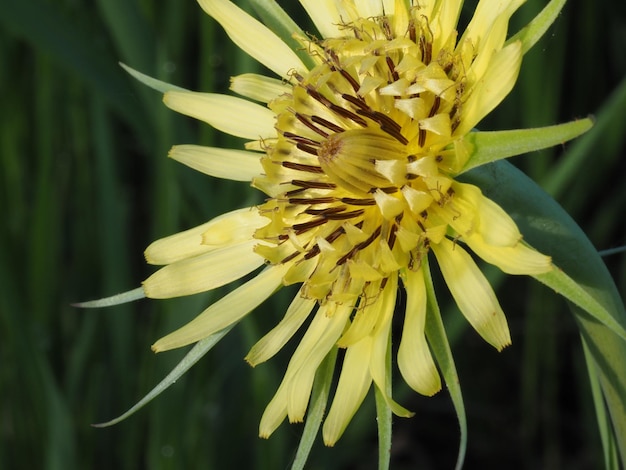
point(533, 31)
point(547, 227)
point(440, 346)
point(200, 349)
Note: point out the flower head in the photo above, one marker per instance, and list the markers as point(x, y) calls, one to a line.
point(357, 145)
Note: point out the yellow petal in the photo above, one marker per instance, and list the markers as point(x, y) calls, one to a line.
point(414, 358)
point(354, 382)
point(179, 246)
point(518, 259)
point(366, 316)
point(484, 216)
point(229, 114)
point(236, 165)
point(233, 227)
point(492, 88)
point(253, 37)
point(326, 16)
point(275, 412)
point(226, 311)
point(489, 15)
point(259, 87)
point(472, 293)
point(273, 341)
point(317, 342)
point(203, 272)
point(380, 343)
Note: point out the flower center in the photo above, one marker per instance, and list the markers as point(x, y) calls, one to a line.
point(363, 154)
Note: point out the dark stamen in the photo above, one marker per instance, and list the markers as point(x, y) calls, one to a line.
point(305, 226)
point(344, 215)
point(358, 202)
point(311, 200)
point(356, 101)
point(307, 148)
point(435, 106)
point(392, 69)
point(310, 125)
point(359, 246)
point(348, 114)
point(326, 212)
point(421, 137)
point(327, 124)
point(313, 184)
point(350, 79)
point(299, 139)
point(302, 167)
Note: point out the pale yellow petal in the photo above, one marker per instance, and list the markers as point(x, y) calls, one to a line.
point(414, 358)
point(492, 87)
point(326, 16)
point(226, 311)
point(179, 246)
point(259, 87)
point(487, 218)
point(472, 293)
point(233, 227)
point(366, 317)
point(226, 229)
point(273, 341)
point(489, 14)
point(380, 343)
point(518, 259)
point(447, 14)
point(203, 272)
point(317, 342)
point(253, 37)
point(229, 114)
point(236, 165)
point(354, 382)
point(275, 412)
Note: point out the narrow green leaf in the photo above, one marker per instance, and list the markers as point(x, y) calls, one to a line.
point(576, 293)
point(547, 227)
point(130, 31)
point(440, 346)
point(49, 31)
point(200, 349)
point(153, 83)
point(609, 446)
point(533, 31)
point(606, 137)
point(486, 147)
point(317, 408)
point(116, 299)
point(383, 419)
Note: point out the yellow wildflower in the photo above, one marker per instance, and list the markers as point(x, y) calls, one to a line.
point(357, 147)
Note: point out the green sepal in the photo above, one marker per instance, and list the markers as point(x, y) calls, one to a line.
point(384, 414)
point(153, 83)
point(194, 355)
point(533, 31)
point(440, 347)
point(548, 228)
point(487, 147)
point(317, 408)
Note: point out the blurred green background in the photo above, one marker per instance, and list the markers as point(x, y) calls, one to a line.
point(86, 186)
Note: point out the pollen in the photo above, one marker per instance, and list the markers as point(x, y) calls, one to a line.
point(329, 149)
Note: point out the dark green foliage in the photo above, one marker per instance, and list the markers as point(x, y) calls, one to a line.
point(85, 186)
